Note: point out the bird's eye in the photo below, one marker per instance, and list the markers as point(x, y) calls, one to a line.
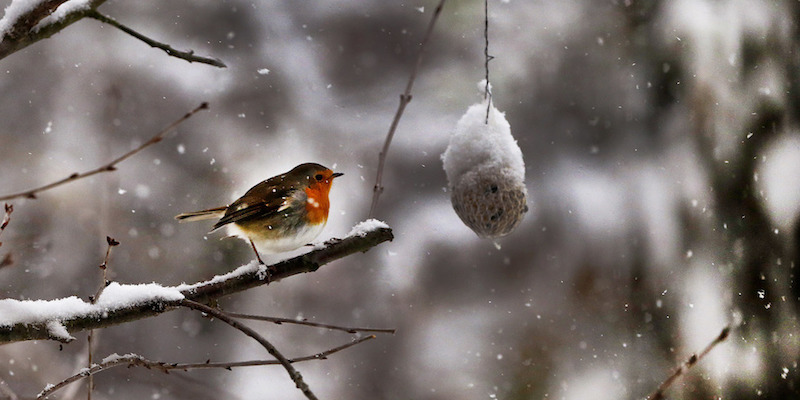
point(318, 177)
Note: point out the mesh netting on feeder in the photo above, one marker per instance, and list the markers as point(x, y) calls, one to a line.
point(486, 173)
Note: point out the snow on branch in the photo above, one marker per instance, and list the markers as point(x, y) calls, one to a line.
point(28, 21)
point(22, 320)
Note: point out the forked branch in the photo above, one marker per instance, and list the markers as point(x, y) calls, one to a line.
point(134, 360)
point(271, 349)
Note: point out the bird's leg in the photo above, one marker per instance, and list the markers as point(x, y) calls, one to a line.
point(260, 261)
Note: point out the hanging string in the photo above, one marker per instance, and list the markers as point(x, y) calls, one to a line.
point(487, 95)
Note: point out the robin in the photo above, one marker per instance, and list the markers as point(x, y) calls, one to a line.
point(279, 214)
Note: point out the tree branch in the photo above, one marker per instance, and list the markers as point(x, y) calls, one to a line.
point(273, 351)
point(405, 98)
point(279, 321)
point(694, 359)
point(111, 166)
point(88, 316)
point(184, 55)
point(31, 26)
point(9, 208)
point(133, 360)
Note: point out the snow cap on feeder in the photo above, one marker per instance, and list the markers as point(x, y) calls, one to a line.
point(486, 173)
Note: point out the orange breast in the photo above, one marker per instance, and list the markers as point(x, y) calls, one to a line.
point(318, 204)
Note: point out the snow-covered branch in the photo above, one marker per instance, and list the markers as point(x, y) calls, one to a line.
point(56, 319)
point(28, 21)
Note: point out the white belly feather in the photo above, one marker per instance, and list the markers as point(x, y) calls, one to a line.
point(267, 245)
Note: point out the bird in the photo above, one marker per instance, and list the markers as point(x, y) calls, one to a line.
point(277, 215)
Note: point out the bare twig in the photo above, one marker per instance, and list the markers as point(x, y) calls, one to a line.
point(9, 208)
point(132, 360)
point(405, 98)
point(279, 321)
point(184, 55)
point(111, 166)
point(294, 374)
point(90, 381)
point(694, 359)
point(246, 277)
point(111, 242)
point(104, 267)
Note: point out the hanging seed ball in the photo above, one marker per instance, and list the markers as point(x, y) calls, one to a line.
point(491, 204)
point(486, 173)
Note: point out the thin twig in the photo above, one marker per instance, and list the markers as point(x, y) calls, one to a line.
point(132, 360)
point(694, 359)
point(7, 259)
point(287, 365)
point(111, 166)
point(405, 98)
point(9, 208)
point(90, 380)
point(104, 267)
point(279, 321)
point(111, 242)
point(184, 55)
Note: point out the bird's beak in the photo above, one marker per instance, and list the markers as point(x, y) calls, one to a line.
point(336, 174)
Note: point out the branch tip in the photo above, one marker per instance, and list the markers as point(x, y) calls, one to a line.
point(724, 334)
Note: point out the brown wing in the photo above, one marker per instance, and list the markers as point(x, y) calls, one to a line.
point(262, 201)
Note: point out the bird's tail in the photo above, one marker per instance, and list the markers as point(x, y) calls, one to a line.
point(211, 213)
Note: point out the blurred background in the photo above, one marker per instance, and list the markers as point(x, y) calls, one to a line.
point(663, 170)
